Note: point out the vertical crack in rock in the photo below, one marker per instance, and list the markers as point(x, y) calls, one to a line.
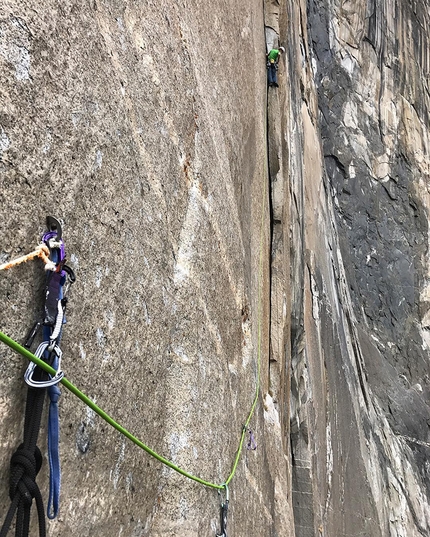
point(276, 402)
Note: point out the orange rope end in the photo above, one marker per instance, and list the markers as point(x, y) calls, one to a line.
point(41, 251)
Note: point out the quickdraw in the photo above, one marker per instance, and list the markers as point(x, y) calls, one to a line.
point(26, 461)
point(252, 444)
point(224, 512)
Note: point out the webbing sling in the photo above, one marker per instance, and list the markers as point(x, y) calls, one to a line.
point(52, 330)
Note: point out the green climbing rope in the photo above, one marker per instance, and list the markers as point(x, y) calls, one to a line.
point(27, 354)
point(257, 386)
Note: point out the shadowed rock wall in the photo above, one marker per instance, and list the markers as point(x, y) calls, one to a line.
point(359, 184)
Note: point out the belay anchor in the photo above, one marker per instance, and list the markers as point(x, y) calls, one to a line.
point(27, 459)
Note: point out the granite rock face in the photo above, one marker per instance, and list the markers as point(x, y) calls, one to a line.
point(220, 229)
point(360, 388)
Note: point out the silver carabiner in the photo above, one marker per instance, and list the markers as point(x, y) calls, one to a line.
point(54, 225)
point(224, 512)
point(28, 375)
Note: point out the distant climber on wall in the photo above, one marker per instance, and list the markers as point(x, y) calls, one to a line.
point(272, 65)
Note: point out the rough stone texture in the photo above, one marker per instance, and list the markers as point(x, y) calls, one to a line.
point(359, 407)
point(210, 220)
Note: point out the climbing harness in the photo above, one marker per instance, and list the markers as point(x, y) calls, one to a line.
point(45, 369)
point(27, 460)
point(224, 512)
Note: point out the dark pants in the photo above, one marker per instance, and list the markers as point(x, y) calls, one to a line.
point(272, 75)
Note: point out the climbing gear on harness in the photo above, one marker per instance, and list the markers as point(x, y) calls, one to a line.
point(224, 512)
point(26, 461)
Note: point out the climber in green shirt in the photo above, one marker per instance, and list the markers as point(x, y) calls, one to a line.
point(272, 65)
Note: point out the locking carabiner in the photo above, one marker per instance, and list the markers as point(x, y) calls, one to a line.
point(54, 225)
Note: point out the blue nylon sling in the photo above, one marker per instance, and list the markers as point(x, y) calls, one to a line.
point(53, 419)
